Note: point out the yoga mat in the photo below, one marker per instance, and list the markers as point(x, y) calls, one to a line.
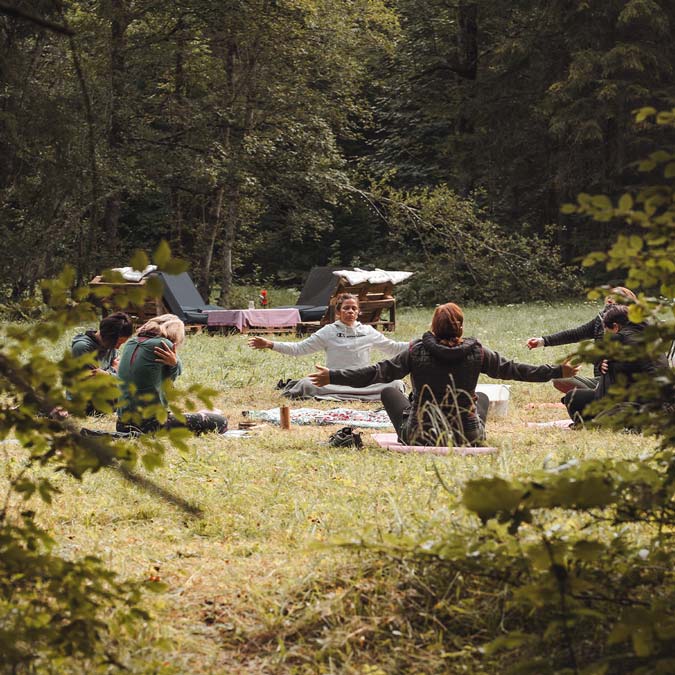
point(390, 442)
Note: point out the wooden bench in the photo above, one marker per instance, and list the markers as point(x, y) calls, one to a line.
point(140, 312)
point(374, 299)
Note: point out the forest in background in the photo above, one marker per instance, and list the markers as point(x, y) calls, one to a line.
point(261, 137)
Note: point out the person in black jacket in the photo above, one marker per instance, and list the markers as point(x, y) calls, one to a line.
point(444, 367)
point(616, 323)
point(592, 330)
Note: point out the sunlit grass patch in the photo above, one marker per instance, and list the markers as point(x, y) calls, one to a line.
point(253, 585)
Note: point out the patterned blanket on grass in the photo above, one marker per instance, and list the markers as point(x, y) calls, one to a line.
point(375, 419)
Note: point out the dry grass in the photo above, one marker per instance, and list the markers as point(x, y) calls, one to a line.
point(248, 589)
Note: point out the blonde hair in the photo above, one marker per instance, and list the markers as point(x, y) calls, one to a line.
point(623, 293)
point(165, 325)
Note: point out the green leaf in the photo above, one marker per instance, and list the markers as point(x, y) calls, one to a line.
point(139, 261)
point(643, 643)
point(162, 255)
point(512, 640)
point(660, 156)
point(643, 113)
point(626, 202)
point(491, 496)
point(601, 202)
point(588, 551)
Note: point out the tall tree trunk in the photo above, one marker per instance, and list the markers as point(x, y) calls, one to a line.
point(467, 40)
point(118, 25)
point(230, 230)
point(211, 231)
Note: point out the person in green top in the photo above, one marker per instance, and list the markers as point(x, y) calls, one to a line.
point(113, 331)
point(149, 359)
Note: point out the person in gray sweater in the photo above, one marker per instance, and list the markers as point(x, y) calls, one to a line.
point(346, 343)
point(591, 330)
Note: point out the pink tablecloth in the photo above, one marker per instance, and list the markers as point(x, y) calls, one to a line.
point(253, 318)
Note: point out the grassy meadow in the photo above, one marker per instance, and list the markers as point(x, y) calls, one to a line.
point(252, 586)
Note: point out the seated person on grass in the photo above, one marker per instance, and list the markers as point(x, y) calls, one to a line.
point(444, 408)
point(347, 344)
point(148, 360)
point(113, 331)
point(616, 323)
point(591, 330)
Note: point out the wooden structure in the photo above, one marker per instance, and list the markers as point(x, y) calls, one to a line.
point(139, 312)
point(374, 299)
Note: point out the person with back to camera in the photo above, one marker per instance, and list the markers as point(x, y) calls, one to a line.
point(591, 330)
point(347, 344)
point(149, 359)
point(621, 329)
point(444, 408)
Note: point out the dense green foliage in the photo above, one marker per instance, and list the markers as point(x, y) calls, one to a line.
point(52, 607)
point(583, 553)
point(245, 133)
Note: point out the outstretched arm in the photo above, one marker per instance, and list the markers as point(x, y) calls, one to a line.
point(314, 343)
point(384, 371)
point(500, 368)
point(386, 345)
point(566, 337)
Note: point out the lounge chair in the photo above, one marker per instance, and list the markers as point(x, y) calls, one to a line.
point(316, 294)
point(182, 298)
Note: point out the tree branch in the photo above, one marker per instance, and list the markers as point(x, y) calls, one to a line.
point(34, 18)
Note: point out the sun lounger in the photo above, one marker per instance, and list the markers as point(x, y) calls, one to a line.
point(182, 298)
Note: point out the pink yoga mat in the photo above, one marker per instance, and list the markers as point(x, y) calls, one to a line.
point(390, 442)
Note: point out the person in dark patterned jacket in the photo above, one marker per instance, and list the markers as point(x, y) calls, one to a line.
point(444, 367)
point(618, 328)
point(592, 330)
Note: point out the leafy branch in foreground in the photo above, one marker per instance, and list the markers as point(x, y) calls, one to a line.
point(583, 552)
point(52, 608)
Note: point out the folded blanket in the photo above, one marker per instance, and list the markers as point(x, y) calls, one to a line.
point(376, 276)
point(377, 419)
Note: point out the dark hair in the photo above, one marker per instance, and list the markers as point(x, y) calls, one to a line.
point(113, 327)
point(447, 324)
point(615, 314)
point(343, 297)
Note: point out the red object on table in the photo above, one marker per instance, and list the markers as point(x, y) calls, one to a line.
point(263, 298)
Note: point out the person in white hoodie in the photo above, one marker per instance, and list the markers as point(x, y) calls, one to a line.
point(347, 344)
